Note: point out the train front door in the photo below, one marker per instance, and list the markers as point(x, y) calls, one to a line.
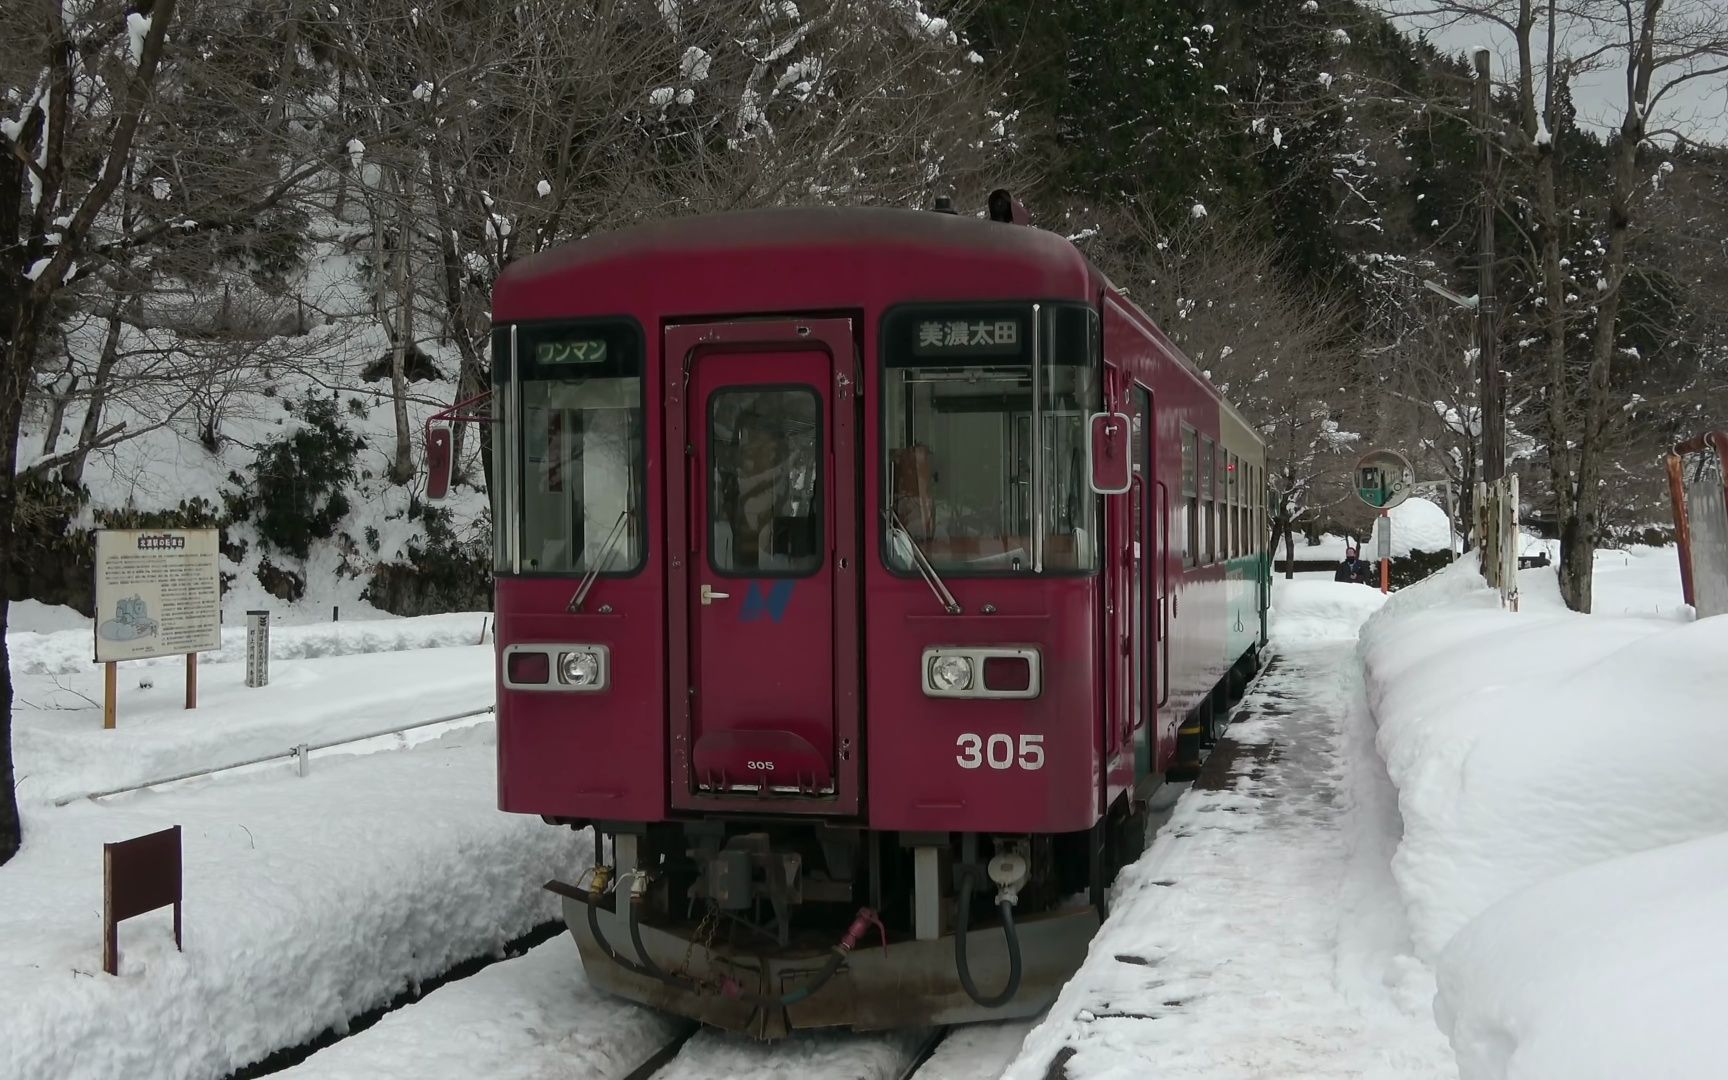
point(769, 506)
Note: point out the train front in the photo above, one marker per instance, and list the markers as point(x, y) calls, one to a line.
point(801, 615)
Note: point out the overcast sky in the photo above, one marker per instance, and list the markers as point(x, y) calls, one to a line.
point(1698, 109)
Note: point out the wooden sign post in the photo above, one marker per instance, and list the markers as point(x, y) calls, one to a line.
point(110, 693)
point(138, 875)
point(158, 593)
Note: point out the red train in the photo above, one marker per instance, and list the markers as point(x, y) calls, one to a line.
point(860, 573)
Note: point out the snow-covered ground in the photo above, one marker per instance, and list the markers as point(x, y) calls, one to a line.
point(327, 682)
point(1565, 852)
point(308, 900)
point(1549, 839)
point(1262, 935)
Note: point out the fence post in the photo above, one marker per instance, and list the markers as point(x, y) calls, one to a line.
point(1509, 545)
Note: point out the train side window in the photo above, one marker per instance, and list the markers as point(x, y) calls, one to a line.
point(1258, 520)
point(1190, 497)
point(1256, 510)
point(1262, 520)
point(1250, 524)
point(1208, 497)
point(1242, 533)
point(1248, 510)
point(1228, 506)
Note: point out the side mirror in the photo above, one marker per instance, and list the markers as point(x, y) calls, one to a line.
point(1109, 453)
point(438, 462)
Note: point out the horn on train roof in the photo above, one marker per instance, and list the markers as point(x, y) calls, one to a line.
point(1006, 208)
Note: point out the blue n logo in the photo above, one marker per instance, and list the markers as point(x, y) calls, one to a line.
point(770, 602)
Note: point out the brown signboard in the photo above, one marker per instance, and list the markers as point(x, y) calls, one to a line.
point(138, 875)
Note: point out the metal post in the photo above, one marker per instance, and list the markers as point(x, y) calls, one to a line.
point(257, 648)
point(304, 753)
point(926, 893)
point(1385, 551)
point(1487, 343)
point(624, 863)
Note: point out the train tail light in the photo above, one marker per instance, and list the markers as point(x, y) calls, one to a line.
point(1007, 673)
point(528, 668)
point(582, 668)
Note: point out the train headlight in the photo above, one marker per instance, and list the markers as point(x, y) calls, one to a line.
point(582, 668)
point(951, 673)
point(982, 671)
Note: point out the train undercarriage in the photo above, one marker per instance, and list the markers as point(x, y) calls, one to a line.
point(766, 926)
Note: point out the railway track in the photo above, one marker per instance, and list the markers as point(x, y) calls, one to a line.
point(970, 1052)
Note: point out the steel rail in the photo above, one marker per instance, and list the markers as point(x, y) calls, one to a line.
point(926, 1050)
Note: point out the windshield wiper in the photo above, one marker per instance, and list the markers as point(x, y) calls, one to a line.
point(921, 563)
point(600, 564)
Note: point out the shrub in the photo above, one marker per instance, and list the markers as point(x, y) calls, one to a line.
point(295, 493)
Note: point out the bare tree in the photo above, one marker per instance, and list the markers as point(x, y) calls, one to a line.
point(46, 218)
point(528, 125)
point(1580, 245)
point(1282, 354)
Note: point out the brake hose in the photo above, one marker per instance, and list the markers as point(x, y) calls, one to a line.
point(961, 917)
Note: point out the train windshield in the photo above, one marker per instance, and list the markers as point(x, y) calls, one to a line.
point(968, 480)
point(575, 428)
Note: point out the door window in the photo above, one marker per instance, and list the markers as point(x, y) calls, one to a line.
point(764, 481)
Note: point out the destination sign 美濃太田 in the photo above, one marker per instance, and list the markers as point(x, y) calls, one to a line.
point(994, 336)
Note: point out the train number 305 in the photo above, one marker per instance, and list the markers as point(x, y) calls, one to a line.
point(1000, 751)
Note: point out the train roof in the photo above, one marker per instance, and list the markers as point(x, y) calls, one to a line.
point(788, 230)
point(801, 237)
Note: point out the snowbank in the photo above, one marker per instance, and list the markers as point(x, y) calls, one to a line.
point(1539, 758)
point(1417, 525)
point(62, 750)
point(1312, 607)
point(37, 617)
point(308, 901)
point(68, 652)
point(1261, 936)
point(1616, 970)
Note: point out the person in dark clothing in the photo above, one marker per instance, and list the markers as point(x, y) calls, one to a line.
point(1352, 569)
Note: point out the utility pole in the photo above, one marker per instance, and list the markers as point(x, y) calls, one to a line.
point(1487, 339)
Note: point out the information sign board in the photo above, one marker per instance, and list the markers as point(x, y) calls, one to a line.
point(1384, 478)
point(158, 593)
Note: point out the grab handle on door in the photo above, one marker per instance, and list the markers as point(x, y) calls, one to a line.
point(709, 595)
point(692, 527)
